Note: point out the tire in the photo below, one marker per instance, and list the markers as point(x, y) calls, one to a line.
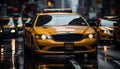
point(79, 56)
point(92, 55)
point(26, 50)
point(116, 44)
point(98, 38)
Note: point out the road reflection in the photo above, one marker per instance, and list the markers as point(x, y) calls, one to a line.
point(12, 57)
point(7, 55)
point(65, 62)
point(48, 64)
point(2, 54)
point(13, 52)
point(19, 62)
point(88, 63)
point(108, 57)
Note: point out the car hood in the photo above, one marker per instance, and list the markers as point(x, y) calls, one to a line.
point(107, 28)
point(9, 26)
point(64, 29)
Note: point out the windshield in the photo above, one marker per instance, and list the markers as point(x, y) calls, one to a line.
point(9, 22)
point(105, 22)
point(60, 19)
point(19, 20)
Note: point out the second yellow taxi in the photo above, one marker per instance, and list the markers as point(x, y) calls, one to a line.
point(106, 29)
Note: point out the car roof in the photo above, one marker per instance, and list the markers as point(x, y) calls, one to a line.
point(110, 17)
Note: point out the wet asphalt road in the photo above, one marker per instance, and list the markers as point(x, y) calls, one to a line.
point(12, 57)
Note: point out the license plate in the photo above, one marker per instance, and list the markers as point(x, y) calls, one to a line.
point(69, 46)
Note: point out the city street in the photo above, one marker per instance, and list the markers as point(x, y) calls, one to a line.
point(12, 57)
point(59, 34)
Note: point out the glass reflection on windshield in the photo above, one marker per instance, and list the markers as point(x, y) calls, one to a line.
point(107, 22)
point(62, 19)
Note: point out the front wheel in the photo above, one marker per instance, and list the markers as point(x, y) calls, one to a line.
point(33, 53)
point(92, 55)
point(78, 56)
point(116, 44)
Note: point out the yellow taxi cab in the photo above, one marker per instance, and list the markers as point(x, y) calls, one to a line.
point(60, 31)
point(8, 26)
point(18, 20)
point(19, 23)
point(106, 29)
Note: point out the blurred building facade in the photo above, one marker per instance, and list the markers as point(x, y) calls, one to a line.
point(87, 8)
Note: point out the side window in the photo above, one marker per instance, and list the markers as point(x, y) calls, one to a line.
point(77, 21)
point(33, 20)
point(19, 20)
point(27, 21)
point(11, 21)
point(43, 19)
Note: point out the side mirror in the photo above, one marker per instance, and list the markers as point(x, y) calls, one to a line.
point(28, 25)
point(92, 24)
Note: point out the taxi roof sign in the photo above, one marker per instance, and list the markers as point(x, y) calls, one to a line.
point(110, 17)
point(57, 10)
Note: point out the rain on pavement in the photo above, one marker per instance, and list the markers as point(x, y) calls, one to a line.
point(12, 57)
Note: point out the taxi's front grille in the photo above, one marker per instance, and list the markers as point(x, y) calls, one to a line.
point(111, 31)
point(77, 48)
point(6, 29)
point(67, 37)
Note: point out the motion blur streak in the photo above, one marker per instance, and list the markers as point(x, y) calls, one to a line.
point(105, 48)
point(2, 53)
point(13, 52)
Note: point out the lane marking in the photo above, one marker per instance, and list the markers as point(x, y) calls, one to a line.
point(75, 64)
point(117, 62)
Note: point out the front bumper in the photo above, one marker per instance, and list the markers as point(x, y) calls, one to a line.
point(9, 32)
point(106, 37)
point(52, 47)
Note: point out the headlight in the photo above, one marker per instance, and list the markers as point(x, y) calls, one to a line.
point(105, 31)
point(12, 31)
point(0, 31)
point(89, 36)
point(43, 36)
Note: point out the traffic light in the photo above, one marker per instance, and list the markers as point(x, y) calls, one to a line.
point(49, 3)
point(15, 9)
point(98, 1)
